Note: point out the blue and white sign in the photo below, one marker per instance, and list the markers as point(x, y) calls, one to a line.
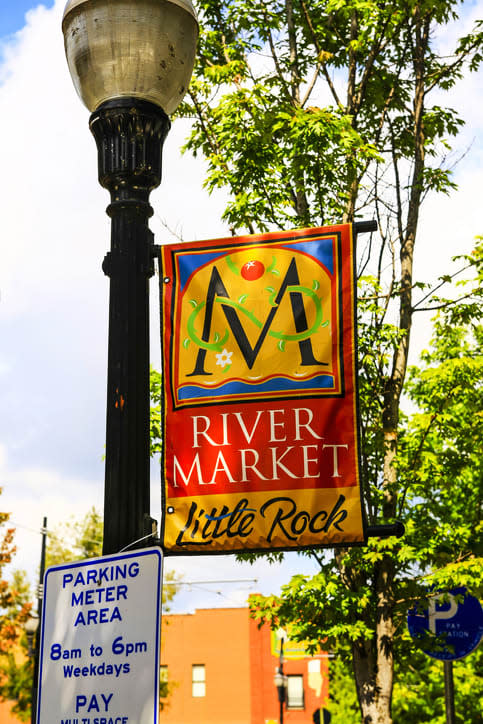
point(99, 657)
point(458, 623)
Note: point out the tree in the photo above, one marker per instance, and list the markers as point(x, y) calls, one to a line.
point(319, 111)
point(418, 696)
point(76, 540)
point(342, 705)
point(155, 391)
point(419, 692)
point(14, 611)
point(439, 466)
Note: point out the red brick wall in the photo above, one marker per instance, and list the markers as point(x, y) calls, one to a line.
point(218, 639)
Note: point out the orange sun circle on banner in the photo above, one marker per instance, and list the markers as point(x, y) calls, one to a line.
point(252, 270)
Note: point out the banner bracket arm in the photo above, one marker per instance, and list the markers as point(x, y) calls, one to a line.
point(386, 530)
point(365, 227)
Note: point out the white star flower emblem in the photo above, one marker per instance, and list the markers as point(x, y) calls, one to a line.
point(223, 358)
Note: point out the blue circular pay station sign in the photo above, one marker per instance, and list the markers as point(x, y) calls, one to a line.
point(458, 624)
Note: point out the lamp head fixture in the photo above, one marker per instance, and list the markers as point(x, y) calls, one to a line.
point(142, 49)
point(281, 635)
point(31, 624)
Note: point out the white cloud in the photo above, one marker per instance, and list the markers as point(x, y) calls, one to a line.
point(3, 456)
point(29, 494)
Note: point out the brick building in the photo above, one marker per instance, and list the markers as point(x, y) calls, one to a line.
point(221, 668)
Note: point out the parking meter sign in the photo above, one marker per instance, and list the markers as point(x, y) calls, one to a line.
point(99, 657)
point(450, 628)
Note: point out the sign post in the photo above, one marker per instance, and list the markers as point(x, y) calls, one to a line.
point(449, 693)
point(99, 657)
point(450, 628)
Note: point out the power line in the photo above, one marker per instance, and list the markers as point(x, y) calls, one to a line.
point(222, 580)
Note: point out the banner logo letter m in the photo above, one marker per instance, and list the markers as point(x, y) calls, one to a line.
point(217, 294)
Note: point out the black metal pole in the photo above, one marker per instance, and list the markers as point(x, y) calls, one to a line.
point(40, 598)
point(281, 689)
point(449, 692)
point(129, 134)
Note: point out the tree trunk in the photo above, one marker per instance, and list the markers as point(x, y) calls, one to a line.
point(374, 671)
point(374, 684)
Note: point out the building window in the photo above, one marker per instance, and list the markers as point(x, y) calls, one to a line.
point(163, 681)
point(295, 692)
point(198, 680)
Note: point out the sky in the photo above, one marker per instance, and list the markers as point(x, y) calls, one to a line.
point(12, 14)
point(54, 296)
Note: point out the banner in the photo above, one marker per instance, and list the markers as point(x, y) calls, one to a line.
point(260, 423)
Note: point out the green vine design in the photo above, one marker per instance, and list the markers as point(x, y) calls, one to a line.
point(218, 345)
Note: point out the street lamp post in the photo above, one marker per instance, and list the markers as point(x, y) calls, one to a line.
point(280, 680)
point(33, 623)
point(131, 62)
point(30, 627)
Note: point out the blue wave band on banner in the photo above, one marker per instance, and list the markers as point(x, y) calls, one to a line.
point(276, 384)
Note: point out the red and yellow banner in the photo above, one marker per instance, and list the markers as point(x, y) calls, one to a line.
point(260, 442)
